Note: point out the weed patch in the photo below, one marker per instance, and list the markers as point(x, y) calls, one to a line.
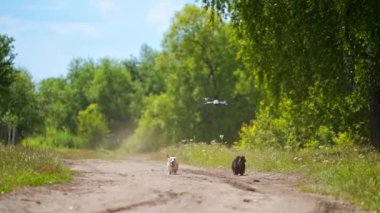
point(25, 166)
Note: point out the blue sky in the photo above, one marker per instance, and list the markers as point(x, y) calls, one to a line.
point(50, 33)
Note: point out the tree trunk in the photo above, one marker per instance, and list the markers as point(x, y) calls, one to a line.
point(14, 135)
point(374, 108)
point(9, 135)
point(375, 121)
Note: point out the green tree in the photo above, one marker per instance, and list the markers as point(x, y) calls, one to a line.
point(55, 103)
point(198, 61)
point(323, 55)
point(79, 80)
point(204, 65)
point(111, 89)
point(147, 78)
point(7, 70)
point(22, 115)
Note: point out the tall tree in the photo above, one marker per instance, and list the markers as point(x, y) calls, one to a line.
point(79, 79)
point(147, 78)
point(111, 89)
point(300, 49)
point(22, 114)
point(6, 63)
point(7, 73)
point(205, 66)
point(198, 62)
point(55, 102)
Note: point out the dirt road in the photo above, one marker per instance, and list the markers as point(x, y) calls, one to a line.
point(139, 185)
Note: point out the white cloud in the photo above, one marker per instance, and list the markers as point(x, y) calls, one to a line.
point(15, 26)
point(12, 25)
point(51, 5)
point(107, 8)
point(7, 21)
point(161, 13)
point(74, 29)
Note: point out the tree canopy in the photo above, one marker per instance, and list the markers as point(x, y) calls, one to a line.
point(321, 55)
point(6, 63)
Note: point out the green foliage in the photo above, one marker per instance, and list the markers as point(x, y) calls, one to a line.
point(18, 102)
point(92, 127)
point(111, 90)
point(53, 139)
point(55, 103)
point(294, 126)
point(148, 78)
point(79, 78)
point(22, 166)
point(153, 126)
point(24, 103)
point(6, 64)
point(198, 61)
point(21, 109)
point(321, 55)
point(267, 130)
point(108, 83)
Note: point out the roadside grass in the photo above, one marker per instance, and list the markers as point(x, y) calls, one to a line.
point(76, 154)
point(350, 173)
point(25, 166)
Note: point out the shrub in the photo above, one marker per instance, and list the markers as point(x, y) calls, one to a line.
point(92, 127)
point(54, 138)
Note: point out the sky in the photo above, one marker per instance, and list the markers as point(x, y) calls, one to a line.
point(50, 33)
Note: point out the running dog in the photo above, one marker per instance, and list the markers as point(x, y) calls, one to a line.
point(172, 165)
point(238, 165)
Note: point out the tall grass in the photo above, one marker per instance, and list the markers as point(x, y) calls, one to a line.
point(25, 166)
point(76, 154)
point(54, 139)
point(348, 172)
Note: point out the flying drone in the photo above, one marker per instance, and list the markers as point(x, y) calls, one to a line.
point(215, 102)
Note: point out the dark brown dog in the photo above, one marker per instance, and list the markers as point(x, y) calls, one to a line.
point(238, 165)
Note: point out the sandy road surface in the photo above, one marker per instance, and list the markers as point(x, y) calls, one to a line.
point(138, 185)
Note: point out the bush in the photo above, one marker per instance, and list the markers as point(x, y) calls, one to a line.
point(54, 138)
point(266, 130)
point(293, 126)
point(92, 127)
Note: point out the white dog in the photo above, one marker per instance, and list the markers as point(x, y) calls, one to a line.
point(172, 165)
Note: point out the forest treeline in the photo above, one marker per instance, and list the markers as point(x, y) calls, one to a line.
point(294, 74)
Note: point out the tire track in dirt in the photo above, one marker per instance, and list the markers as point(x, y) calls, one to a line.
point(239, 184)
point(161, 199)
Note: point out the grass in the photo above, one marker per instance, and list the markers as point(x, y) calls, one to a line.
point(34, 166)
point(349, 173)
point(23, 166)
point(76, 154)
